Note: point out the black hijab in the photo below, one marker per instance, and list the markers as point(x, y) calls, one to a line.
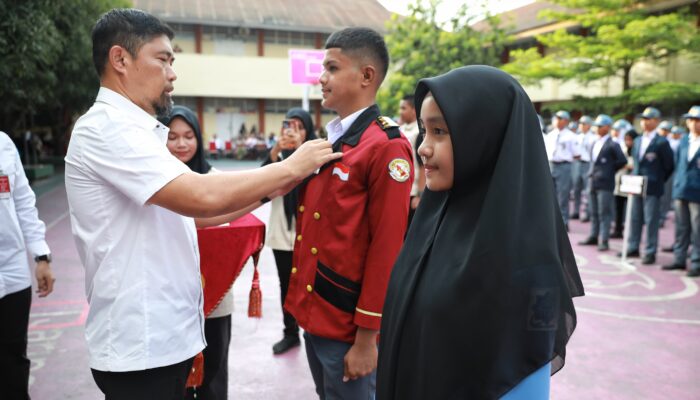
point(480, 295)
point(198, 162)
point(291, 199)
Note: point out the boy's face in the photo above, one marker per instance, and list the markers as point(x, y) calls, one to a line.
point(340, 81)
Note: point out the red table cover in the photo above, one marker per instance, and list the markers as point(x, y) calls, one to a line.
point(223, 251)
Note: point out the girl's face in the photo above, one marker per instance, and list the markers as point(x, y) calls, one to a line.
point(628, 141)
point(436, 150)
point(182, 142)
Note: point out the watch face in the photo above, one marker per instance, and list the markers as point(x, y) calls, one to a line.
point(45, 257)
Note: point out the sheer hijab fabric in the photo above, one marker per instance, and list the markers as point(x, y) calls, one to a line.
point(481, 294)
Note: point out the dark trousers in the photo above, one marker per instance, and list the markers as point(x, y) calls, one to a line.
point(217, 331)
point(14, 364)
point(283, 259)
point(620, 210)
point(163, 383)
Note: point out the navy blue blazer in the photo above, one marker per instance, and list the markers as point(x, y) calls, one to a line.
point(656, 164)
point(686, 182)
point(602, 171)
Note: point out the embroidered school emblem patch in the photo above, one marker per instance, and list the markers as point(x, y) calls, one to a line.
point(342, 171)
point(399, 170)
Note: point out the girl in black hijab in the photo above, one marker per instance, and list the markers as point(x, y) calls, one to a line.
point(480, 296)
point(195, 160)
point(281, 229)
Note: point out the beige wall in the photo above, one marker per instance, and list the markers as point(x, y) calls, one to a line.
point(679, 69)
point(209, 75)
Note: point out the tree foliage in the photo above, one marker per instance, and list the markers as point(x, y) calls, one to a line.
point(421, 47)
point(614, 36)
point(46, 51)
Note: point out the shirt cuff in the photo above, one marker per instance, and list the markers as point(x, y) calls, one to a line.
point(38, 248)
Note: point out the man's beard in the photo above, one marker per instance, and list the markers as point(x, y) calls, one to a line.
point(163, 106)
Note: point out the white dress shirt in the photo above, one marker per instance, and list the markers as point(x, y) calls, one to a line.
point(561, 145)
point(337, 127)
point(141, 261)
point(647, 137)
point(674, 143)
point(20, 226)
point(585, 144)
point(598, 146)
point(411, 132)
point(693, 145)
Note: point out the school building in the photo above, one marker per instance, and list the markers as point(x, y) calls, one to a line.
point(232, 57)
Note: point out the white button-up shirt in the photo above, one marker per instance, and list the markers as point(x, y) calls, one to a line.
point(647, 137)
point(141, 261)
point(585, 144)
point(598, 146)
point(693, 145)
point(337, 127)
point(20, 226)
point(561, 145)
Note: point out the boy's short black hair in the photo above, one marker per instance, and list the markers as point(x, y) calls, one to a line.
point(126, 27)
point(363, 42)
point(410, 99)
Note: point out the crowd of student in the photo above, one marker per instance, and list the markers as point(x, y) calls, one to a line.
point(588, 159)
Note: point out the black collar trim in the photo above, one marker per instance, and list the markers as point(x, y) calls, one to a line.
point(353, 135)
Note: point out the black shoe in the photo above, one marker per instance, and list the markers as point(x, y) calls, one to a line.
point(649, 259)
point(630, 254)
point(603, 246)
point(616, 235)
point(693, 273)
point(574, 216)
point(671, 267)
point(668, 249)
point(589, 242)
point(285, 344)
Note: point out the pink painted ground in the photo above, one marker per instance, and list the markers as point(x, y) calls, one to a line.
point(636, 338)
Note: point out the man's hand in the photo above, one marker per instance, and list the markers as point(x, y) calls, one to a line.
point(44, 279)
point(309, 157)
point(361, 359)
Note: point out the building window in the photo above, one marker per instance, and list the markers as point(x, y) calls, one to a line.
point(229, 40)
point(189, 102)
point(301, 39)
point(280, 106)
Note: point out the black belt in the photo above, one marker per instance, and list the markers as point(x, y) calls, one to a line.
point(560, 162)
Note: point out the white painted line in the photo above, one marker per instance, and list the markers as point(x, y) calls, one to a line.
point(57, 220)
point(639, 318)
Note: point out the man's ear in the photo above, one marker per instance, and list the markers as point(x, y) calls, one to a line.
point(119, 58)
point(369, 75)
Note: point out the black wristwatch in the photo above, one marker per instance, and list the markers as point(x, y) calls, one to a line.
point(44, 257)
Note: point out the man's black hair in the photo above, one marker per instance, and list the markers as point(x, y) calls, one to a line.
point(126, 27)
point(364, 42)
point(409, 98)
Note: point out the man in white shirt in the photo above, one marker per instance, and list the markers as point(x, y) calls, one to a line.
point(132, 206)
point(20, 230)
point(584, 140)
point(409, 127)
point(562, 150)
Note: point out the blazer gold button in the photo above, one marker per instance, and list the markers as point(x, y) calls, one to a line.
point(301, 208)
point(317, 216)
point(314, 251)
point(309, 288)
point(299, 238)
point(294, 270)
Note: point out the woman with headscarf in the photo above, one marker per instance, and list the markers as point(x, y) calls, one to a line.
point(185, 142)
point(480, 297)
point(281, 229)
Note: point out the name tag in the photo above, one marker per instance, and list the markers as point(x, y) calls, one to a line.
point(5, 187)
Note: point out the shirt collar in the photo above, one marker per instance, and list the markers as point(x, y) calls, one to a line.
point(650, 135)
point(337, 127)
point(136, 113)
point(604, 138)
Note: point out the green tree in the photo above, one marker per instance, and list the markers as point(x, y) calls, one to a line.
point(46, 70)
point(614, 35)
point(421, 47)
